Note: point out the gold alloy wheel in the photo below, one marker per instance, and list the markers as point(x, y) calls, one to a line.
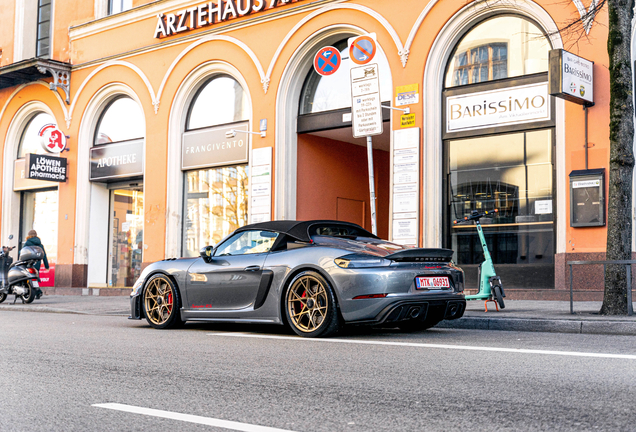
point(159, 301)
point(307, 303)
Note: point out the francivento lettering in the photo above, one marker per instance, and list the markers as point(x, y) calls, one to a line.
point(209, 13)
point(210, 147)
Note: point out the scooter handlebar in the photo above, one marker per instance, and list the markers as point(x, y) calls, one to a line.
point(475, 215)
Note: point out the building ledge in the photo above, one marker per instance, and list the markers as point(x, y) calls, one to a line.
point(31, 70)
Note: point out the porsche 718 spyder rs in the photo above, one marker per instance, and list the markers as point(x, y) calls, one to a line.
point(314, 276)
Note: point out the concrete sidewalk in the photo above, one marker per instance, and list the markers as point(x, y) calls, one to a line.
point(519, 315)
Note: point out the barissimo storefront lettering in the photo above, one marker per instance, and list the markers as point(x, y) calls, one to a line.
point(209, 13)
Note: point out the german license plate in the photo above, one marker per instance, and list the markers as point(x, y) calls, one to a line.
point(35, 284)
point(432, 282)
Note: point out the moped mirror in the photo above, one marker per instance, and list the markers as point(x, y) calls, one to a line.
point(11, 237)
point(206, 252)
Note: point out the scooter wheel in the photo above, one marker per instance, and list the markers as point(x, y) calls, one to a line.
point(28, 296)
point(498, 296)
point(3, 297)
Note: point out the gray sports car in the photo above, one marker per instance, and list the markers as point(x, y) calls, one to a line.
point(313, 276)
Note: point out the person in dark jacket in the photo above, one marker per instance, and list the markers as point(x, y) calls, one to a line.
point(34, 240)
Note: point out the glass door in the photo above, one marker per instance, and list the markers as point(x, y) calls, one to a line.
point(39, 213)
point(513, 173)
point(126, 236)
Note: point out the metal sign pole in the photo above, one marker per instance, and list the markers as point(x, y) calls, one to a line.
point(374, 228)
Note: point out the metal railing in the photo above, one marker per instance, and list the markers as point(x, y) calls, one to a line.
point(628, 268)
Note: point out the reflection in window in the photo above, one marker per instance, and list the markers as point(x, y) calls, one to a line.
point(325, 93)
point(248, 242)
point(30, 142)
point(122, 120)
point(498, 48)
point(512, 173)
point(221, 100)
point(43, 43)
point(116, 6)
point(216, 205)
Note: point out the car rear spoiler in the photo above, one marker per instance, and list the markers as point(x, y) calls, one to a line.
point(421, 255)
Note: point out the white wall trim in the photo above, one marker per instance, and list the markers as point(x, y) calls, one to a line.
point(11, 199)
point(434, 71)
point(176, 126)
point(85, 221)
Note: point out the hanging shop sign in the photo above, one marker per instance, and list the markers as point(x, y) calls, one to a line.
point(45, 167)
point(497, 108)
point(210, 147)
point(327, 61)
point(52, 139)
point(212, 12)
point(366, 106)
point(571, 77)
point(116, 161)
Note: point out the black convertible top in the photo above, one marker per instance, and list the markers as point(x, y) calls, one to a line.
point(300, 229)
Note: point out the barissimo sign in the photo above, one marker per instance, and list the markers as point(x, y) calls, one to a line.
point(209, 13)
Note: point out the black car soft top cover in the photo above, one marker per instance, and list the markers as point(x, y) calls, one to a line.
point(300, 229)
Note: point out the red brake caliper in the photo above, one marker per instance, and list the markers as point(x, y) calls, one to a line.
point(169, 297)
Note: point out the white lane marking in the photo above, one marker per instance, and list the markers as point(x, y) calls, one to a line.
point(244, 427)
point(438, 346)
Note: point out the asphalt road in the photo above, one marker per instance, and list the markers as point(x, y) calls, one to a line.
point(58, 371)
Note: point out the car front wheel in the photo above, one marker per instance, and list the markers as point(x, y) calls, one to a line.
point(161, 303)
point(310, 306)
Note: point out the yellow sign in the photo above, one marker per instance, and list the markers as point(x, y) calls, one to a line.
point(407, 95)
point(408, 120)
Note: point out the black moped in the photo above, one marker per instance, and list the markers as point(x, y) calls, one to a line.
point(21, 279)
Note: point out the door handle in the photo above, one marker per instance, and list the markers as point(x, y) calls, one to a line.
point(253, 268)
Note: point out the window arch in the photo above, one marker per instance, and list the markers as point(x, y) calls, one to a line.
point(121, 120)
point(326, 93)
point(220, 100)
point(500, 47)
point(30, 141)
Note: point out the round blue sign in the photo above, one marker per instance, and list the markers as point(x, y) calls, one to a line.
point(327, 61)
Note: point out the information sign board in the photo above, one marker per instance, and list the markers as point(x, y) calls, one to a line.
point(366, 105)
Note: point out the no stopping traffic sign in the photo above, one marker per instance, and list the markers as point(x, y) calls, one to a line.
point(362, 49)
point(327, 61)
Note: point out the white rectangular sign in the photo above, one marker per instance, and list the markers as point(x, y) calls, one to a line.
point(577, 77)
point(260, 207)
point(366, 106)
point(502, 107)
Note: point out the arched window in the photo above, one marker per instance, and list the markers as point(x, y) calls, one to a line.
point(122, 120)
point(220, 100)
point(501, 47)
point(30, 141)
point(326, 93)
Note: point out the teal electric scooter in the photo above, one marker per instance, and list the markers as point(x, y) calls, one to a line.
point(490, 288)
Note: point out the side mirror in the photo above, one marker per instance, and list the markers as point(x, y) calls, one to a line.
point(206, 253)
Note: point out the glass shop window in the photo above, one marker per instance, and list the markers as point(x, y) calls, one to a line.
point(30, 141)
point(122, 120)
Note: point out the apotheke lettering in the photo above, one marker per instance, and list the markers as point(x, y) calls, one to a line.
point(117, 160)
point(209, 13)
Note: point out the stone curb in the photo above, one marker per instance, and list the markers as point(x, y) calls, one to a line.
point(543, 325)
point(23, 308)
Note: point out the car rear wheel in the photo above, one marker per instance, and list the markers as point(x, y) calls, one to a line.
point(310, 306)
point(161, 303)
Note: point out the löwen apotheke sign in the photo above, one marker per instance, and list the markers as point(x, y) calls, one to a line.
point(211, 12)
point(114, 161)
point(44, 167)
point(497, 108)
point(210, 147)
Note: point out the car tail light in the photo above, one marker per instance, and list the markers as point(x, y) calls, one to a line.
point(370, 296)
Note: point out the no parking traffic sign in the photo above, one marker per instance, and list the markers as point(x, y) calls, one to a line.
point(362, 49)
point(327, 61)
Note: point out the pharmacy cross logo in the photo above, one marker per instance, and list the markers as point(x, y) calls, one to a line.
point(52, 139)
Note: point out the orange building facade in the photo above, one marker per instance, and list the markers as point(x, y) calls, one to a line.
point(186, 119)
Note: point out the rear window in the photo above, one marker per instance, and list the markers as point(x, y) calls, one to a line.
point(337, 231)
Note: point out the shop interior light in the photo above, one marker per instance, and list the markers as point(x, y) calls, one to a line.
point(232, 133)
